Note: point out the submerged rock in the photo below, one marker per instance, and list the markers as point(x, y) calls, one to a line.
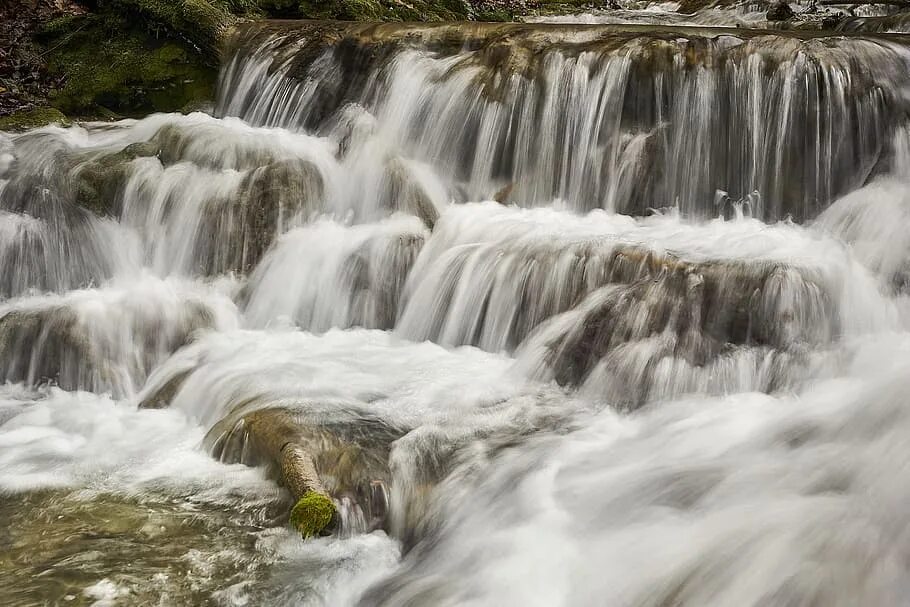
point(687, 328)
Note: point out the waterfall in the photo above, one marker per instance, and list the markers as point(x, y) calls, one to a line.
point(599, 117)
point(563, 314)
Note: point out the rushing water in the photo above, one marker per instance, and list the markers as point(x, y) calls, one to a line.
point(566, 316)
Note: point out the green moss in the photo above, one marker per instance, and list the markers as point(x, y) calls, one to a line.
point(97, 181)
point(106, 62)
point(281, 8)
point(201, 22)
point(374, 10)
point(33, 118)
point(562, 7)
point(61, 25)
point(312, 514)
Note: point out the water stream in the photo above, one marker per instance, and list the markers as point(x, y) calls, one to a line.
point(603, 314)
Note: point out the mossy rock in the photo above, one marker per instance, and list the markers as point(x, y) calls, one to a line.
point(107, 62)
point(494, 16)
point(30, 119)
point(563, 7)
point(375, 10)
point(313, 514)
point(97, 181)
point(203, 23)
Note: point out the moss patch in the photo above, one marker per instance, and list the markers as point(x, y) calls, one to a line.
point(312, 514)
point(98, 181)
point(200, 22)
point(111, 64)
point(373, 10)
point(33, 118)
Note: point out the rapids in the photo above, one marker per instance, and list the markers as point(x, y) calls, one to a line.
point(567, 315)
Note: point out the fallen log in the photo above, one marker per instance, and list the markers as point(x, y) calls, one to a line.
point(314, 513)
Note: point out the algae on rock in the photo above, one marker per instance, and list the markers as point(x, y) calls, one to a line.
point(98, 180)
point(33, 118)
point(110, 64)
point(203, 23)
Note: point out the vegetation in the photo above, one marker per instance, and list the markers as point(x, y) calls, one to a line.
point(312, 514)
point(32, 118)
point(108, 65)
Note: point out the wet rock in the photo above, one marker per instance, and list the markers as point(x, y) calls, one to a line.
point(649, 335)
point(234, 226)
point(502, 196)
point(405, 194)
point(375, 284)
point(627, 164)
point(66, 344)
point(98, 181)
point(108, 63)
point(49, 243)
point(309, 279)
point(269, 197)
point(160, 397)
point(29, 119)
point(780, 11)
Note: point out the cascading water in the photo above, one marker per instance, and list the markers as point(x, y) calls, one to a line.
point(564, 315)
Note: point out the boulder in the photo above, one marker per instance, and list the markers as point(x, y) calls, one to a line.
point(780, 11)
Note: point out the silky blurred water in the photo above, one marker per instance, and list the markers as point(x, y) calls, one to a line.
point(623, 381)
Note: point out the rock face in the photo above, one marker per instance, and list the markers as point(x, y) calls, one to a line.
point(780, 11)
point(29, 119)
point(108, 62)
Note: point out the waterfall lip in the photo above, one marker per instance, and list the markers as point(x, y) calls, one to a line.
point(593, 116)
point(568, 32)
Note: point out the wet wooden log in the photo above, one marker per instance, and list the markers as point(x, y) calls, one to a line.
point(276, 434)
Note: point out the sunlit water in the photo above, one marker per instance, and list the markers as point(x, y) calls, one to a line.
point(701, 404)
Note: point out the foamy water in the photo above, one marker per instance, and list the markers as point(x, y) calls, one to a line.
point(557, 404)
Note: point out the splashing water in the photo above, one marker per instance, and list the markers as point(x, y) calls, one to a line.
point(493, 278)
